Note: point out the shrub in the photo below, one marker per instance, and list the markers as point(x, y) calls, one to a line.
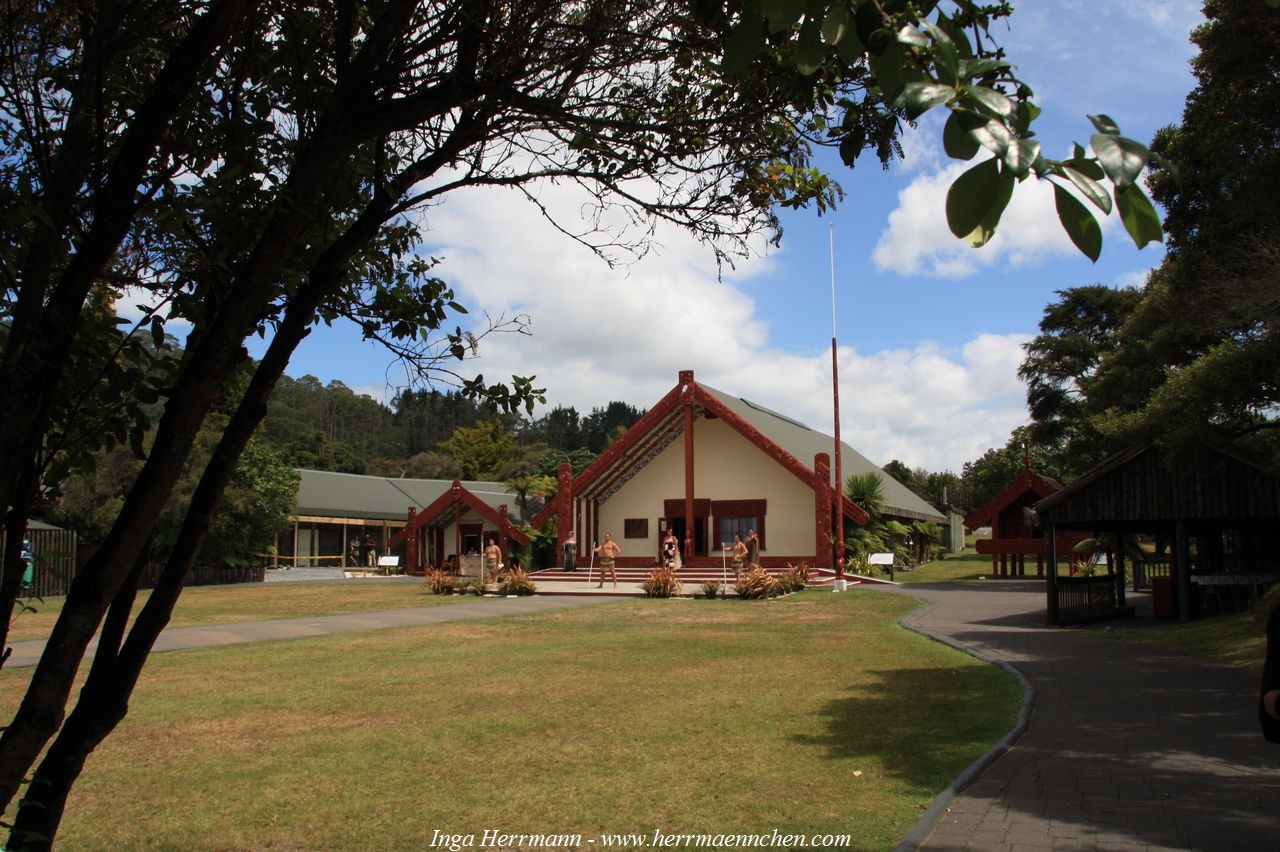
point(515, 582)
point(662, 583)
point(469, 586)
point(711, 589)
point(756, 583)
point(440, 583)
point(796, 578)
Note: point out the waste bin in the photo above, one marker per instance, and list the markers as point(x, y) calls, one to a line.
point(1164, 597)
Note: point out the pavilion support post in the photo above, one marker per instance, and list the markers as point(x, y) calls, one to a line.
point(1117, 543)
point(410, 542)
point(1182, 568)
point(564, 507)
point(504, 531)
point(1051, 573)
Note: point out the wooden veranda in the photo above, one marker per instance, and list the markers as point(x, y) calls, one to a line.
point(1220, 511)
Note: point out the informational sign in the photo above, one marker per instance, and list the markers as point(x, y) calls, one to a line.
point(880, 559)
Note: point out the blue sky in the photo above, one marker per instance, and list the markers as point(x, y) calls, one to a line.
point(929, 330)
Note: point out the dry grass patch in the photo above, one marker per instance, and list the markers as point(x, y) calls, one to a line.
point(625, 716)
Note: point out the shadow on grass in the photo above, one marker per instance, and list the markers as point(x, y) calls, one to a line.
point(923, 725)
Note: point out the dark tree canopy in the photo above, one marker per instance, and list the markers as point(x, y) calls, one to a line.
point(1195, 355)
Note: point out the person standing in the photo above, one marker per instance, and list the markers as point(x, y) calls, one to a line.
point(739, 552)
point(672, 543)
point(1269, 699)
point(609, 552)
point(753, 548)
point(571, 552)
point(492, 561)
point(28, 566)
point(369, 550)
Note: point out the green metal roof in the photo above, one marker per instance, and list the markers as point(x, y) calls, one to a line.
point(348, 495)
point(804, 443)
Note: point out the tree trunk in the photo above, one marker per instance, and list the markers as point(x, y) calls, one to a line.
point(103, 702)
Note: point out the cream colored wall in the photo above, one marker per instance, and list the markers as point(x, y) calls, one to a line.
point(726, 467)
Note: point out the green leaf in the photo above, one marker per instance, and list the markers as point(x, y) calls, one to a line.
point(987, 228)
point(993, 136)
point(1089, 188)
point(975, 196)
point(912, 36)
point(973, 68)
point(1085, 165)
point(1021, 155)
point(157, 331)
point(887, 68)
point(920, 97)
point(957, 136)
point(959, 37)
point(810, 51)
point(851, 147)
point(1104, 124)
point(948, 58)
point(1122, 159)
point(782, 14)
point(1079, 223)
point(744, 42)
point(837, 25)
point(1139, 217)
point(991, 101)
point(850, 48)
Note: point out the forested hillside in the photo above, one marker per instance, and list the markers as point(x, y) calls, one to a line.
point(430, 434)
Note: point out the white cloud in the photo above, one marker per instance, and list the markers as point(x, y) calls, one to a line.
point(624, 334)
point(917, 240)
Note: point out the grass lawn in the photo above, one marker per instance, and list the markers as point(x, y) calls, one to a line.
point(812, 714)
point(1237, 639)
point(960, 566)
point(204, 605)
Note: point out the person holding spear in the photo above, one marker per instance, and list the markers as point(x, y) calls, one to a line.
point(609, 551)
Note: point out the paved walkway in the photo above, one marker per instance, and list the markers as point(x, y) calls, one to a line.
point(1125, 748)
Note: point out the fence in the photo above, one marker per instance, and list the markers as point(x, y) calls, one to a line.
point(1082, 599)
point(55, 554)
point(57, 560)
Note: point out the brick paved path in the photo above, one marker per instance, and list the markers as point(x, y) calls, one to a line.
point(1126, 748)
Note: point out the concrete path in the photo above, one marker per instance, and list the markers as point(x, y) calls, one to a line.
point(179, 638)
point(1125, 748)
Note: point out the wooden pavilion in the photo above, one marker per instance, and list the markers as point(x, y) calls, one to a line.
point(1220, 511)
point(1014, 535)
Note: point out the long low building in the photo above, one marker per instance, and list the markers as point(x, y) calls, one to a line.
point(341, 512)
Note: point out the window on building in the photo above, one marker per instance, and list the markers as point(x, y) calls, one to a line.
point(737, 517)
point(635, 527)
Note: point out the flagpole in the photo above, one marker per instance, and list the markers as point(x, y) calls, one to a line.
point(835, 398)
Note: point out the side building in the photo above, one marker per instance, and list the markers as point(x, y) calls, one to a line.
point(425, 522)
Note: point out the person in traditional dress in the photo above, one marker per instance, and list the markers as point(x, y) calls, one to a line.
point(609, 552)
point(571, 552)
point(753, 548)
point(492, 561)
point(739, 553)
